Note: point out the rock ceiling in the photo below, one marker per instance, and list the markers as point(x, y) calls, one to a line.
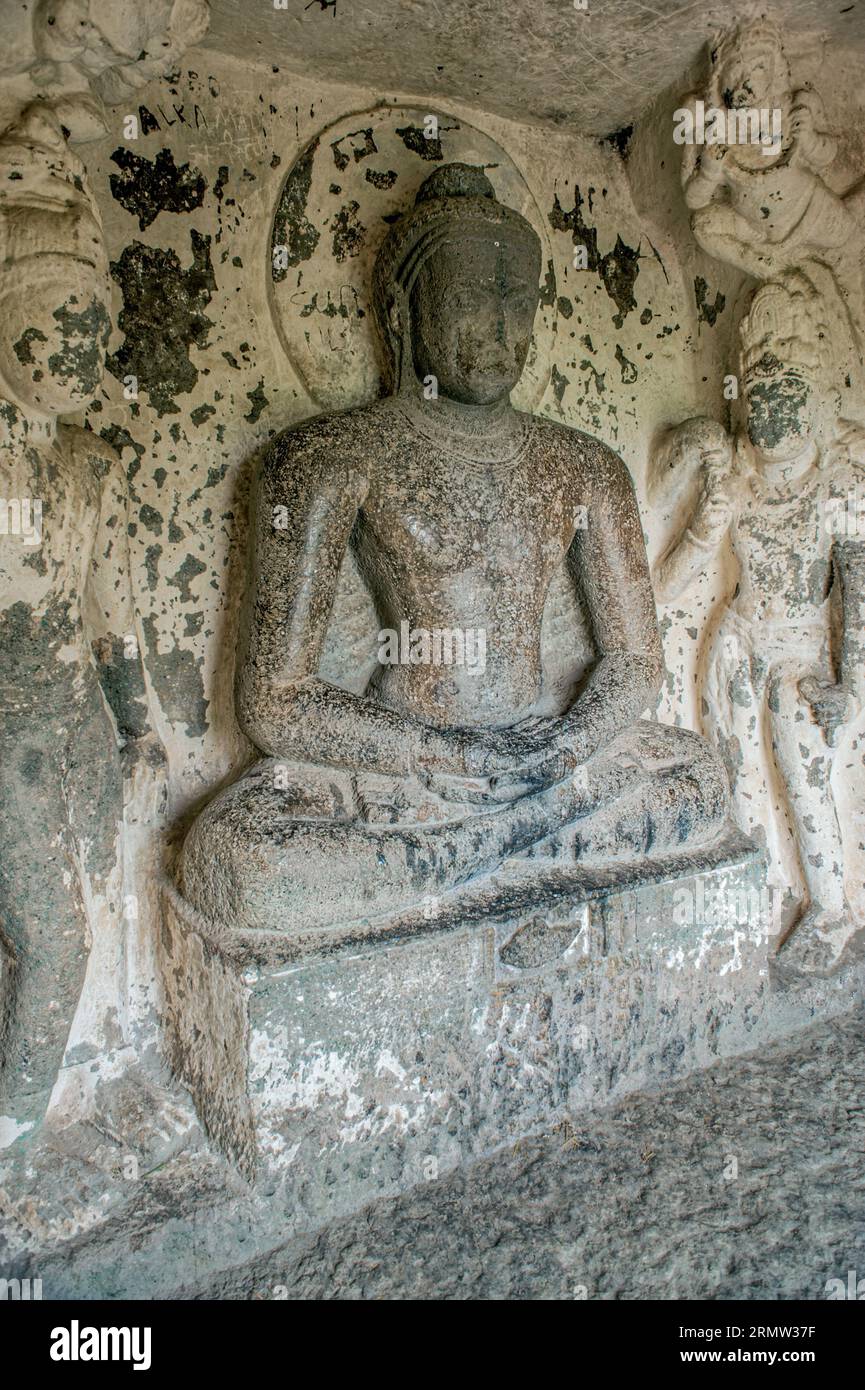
point(533, 60)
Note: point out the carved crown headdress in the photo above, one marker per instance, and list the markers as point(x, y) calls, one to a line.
point(786, 330)
point(752, 40)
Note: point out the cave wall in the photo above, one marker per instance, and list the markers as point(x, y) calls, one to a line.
point(637, 341)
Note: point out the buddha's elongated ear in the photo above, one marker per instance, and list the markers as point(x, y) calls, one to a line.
point(394, 318)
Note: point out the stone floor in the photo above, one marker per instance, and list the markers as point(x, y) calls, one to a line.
point(638, 1202)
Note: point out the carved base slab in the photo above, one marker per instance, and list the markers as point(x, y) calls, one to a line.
point(361, 1066)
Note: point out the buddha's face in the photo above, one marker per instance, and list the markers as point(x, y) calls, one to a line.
point(781, 416)
point(472, 309)
point(54, 283)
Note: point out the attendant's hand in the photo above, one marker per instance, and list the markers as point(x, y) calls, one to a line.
point(804, 119)
point(714, 510)
point(712, 159)
point(833, 707)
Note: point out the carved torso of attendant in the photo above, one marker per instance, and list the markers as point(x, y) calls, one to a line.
point(460, 511)
point(785, 667)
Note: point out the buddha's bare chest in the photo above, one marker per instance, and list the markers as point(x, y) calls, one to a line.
point(434, 521)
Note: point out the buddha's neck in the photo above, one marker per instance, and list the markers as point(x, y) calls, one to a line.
point(492, 433)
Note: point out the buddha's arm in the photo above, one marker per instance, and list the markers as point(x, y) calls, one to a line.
point(304, 507)
point(610, 569)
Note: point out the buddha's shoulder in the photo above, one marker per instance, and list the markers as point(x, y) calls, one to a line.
point(327, 444)
point(596, 461)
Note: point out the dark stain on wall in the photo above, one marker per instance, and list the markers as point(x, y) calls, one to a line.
point(618, 269)
point(23, 350)
point(291, 226)
point(381, 179)
point(629, 370)
point(162, 318)
point(259, 402)
point(707, 312)
point(559, 383)
point(119, 438)
point(348, 232)
point(122, 681)
point(152, 556)
point(83, 333)
point(177, 680)
point(548, 288)
point(189, 570)
point(145, 188)
point(360, 151)
point(776, 405)
point(620, 140)
point(416, 140)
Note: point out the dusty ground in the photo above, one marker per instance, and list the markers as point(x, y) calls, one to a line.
point(747, 1181)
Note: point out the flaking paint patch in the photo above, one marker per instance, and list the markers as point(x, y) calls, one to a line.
point(162, 318)
point(707, 311)
point(618, 269)
point(292, 228)
point(348, 232)
point(145, 188)
point(84, 336)
point(178, 682)
point(416, 140)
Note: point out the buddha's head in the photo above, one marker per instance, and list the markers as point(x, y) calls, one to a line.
point(784, 352)
point(54, 283)
point(456, 290)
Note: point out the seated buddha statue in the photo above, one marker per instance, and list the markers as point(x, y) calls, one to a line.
point(459, 756)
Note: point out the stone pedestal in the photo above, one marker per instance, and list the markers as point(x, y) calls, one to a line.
point(356, 1063)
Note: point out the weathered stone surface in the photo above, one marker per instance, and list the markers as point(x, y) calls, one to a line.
point(629, 1201)
point(587, 1211)
point(429, 1038)
point(447, 765)
point(597, 67)
point(638, 326)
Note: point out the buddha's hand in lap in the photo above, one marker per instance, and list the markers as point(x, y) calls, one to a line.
point(504, 764)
